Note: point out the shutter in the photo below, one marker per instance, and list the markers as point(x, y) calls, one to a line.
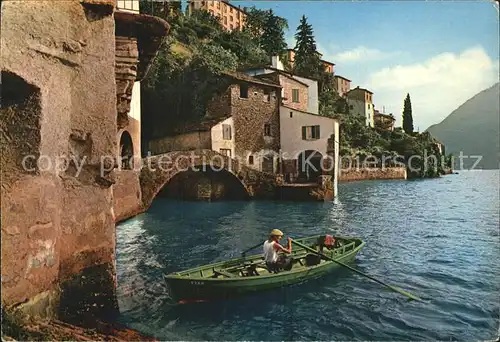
point(304, 132)
point(229, 132)
point(316, 135)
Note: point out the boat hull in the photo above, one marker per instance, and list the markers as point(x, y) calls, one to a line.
point(194, 289)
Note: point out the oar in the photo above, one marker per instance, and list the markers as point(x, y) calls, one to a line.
point(394, 288)
point(249, 249)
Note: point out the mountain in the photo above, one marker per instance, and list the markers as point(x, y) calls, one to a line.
point(473, 128)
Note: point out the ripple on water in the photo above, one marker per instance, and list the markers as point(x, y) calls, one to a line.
point(435, 238)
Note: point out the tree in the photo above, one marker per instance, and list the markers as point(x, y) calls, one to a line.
point(307, 61)
point(273, 35)
point(255, 22)
point(407, 116)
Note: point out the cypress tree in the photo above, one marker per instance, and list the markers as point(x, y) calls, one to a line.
point(407, 115)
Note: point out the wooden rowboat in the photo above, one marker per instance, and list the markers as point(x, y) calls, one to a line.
point(246, 275)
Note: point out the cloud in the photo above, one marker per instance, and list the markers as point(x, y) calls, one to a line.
point(436, 86)
point(361, 54)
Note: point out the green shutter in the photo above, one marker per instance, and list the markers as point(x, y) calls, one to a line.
point(304, 132)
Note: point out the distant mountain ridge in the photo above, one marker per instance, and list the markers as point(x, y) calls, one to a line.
point(474, 129)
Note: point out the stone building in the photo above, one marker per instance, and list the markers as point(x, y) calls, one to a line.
point(241, 122)
point(304, 135)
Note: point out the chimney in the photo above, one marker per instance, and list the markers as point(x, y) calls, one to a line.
point(276, 63)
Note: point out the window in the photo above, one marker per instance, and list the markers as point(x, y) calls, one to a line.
point(231, 26)
point(267, 95)
point(310, 132)
point(368, 106)
point(243, 91)
point(225, 20)
point(295, 95)
point(291, 114)
point(231, 18)
point(267, 130)
point(250, 160)
point(225, 151)
point(231, 9)
point(226, 132)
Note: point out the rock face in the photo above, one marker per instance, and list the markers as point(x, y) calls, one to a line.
point(58, 124)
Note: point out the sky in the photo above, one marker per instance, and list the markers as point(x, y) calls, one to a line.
point(441, 53)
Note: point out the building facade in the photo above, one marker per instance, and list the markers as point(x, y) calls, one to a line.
point(360, 102)
point(128, 5)
point(232, 17)
point(384, 121)
point(342, 85)
point(242, 122)
point(308, 142)
point(128, 94)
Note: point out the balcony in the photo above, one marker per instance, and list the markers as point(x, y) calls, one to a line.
point(128, 5)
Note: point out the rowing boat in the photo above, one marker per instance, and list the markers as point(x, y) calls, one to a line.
point(250, 274)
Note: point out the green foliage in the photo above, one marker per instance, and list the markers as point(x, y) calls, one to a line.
point(307, 60)
point(273, 36)
point(267, 30)
point(187, 71)
point(407, 115)
point(419, 152)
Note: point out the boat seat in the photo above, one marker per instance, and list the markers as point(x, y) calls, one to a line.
point(223, 273)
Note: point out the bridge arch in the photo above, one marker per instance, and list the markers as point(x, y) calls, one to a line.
point(158, 171)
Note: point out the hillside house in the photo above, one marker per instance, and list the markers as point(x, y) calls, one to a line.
point(242, 122)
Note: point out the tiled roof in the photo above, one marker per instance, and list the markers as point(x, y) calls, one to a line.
point(244, 77)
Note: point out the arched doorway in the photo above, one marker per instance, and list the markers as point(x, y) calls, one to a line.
point(310, 165)
point(126, 151)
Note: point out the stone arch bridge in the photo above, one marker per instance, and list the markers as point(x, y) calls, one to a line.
point(157, 171)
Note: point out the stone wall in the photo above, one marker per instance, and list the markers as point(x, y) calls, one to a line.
point(250, 115)
point(57, 223)
point(161, 169)
point(181, 142)
point(372, 174)
point(127, 195)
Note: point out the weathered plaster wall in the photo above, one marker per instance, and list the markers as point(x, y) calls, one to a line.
point(217, 141)
point(59, 224)
point(372, 174)
point(127, 195)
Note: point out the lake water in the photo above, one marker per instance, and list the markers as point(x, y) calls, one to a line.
point(437, 238)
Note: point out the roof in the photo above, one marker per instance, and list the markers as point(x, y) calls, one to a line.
point(377, 113)
point(324, 61)
point(283, 74)
point(244, 77)
point(199, 126)
point(342, 77)
point(298, 110)
point(363, 89)
point(265, 66)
